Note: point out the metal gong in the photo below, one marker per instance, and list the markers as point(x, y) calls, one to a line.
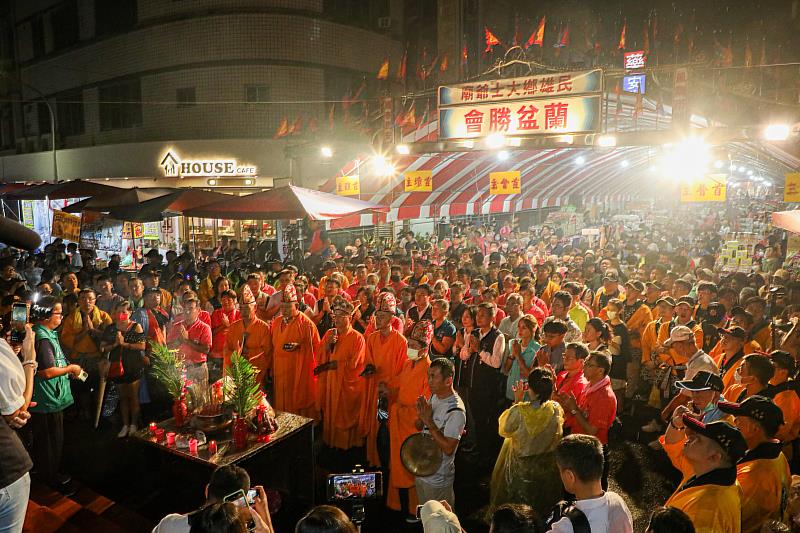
point(421, 455)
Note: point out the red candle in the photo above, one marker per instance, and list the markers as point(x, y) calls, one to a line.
point(212, 447)
point(171, 439)
point(193, 446)
point(159, 434)
point(153, 428)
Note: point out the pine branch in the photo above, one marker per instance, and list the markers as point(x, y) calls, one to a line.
point(242, 389)
point(167, 368)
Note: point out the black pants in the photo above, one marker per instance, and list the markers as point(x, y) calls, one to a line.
point(48, 444)
point(604, 479)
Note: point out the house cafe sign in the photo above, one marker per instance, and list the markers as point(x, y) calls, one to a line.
point(174, 166)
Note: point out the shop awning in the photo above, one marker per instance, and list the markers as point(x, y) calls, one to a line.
point(62, 191)
point(168, 205)
point(285, 203)
point(549, 177)
point(118, 198)
point(788, 220)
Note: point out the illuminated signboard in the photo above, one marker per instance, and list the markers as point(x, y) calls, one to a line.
point(174, 166)
point(634, 84)
point(634, 60)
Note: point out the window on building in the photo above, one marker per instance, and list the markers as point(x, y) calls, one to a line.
point(69, 107)
point(6, 126)
point(186, 97)
point(120, 105)
point(43, 118)
point(256, 93)
point(114, 16)
point(66, 28)
point(37, 36)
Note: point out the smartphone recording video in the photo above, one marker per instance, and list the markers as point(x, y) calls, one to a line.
point(355, 486)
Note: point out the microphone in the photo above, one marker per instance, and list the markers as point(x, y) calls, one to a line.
point(15, 234)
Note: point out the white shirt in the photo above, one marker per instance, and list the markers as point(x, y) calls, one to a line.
point(173, 523)
point(12, 380)
point(450, 416)
point(498, 350)
point(606, 514)
point(573, 334)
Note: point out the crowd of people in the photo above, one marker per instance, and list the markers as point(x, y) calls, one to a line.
point(522, 353)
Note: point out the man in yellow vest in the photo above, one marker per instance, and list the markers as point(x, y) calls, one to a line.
point(763, 472)
point(708, 492)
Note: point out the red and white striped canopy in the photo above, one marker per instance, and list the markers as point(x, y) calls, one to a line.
point(549, 177)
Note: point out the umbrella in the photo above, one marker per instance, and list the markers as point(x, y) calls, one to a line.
point(62, 191)
point(119, 198)
point(285, 203)
point(172, 204)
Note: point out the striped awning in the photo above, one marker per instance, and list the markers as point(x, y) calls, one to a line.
point(549, 177)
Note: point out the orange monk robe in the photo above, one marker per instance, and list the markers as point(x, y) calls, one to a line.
point(72, 329)
point(789, 403)
point(341, 391)
point(387, 354)
point(406, 387)
point(293, 371)
point(258, 346)
point(718, 355)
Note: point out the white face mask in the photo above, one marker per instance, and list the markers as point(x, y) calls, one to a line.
point(611, 315)
point(412, 354)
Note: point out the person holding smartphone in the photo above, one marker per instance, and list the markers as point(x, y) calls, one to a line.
point(52, 394)
point(16, 391)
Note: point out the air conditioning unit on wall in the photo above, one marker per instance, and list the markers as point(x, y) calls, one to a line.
point(384, 23)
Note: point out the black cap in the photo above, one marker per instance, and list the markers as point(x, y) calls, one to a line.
point(652, 285)
point(685, 300)
point(735, 331)
point(703, 380)
point(152, 252)
point(636, 285)
point(666, 300)
point(151, 290)
point(760, 408)
point(728, 437)
point(716, 310)
point(783, 360)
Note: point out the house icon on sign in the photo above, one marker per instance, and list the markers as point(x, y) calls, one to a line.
point(170, 164)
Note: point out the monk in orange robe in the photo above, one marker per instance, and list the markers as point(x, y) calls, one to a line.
point(403, 391)
point(340, 387)
point(385, 355)
point(250, 337)
point(295, 343)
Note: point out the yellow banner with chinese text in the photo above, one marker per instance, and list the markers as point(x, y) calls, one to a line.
point(791, 188)
point(504, 182)
point(709, 188)
point(348, 186)
point(419, 181)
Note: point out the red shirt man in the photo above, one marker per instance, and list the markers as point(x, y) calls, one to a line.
point(571, 380)
point(191, 335)
point(596, 409)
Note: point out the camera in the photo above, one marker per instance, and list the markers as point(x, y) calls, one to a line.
point(355, 486)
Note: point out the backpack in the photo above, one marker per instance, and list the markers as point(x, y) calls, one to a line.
point(580, 524)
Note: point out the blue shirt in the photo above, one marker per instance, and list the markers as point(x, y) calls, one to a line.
point(528, 354)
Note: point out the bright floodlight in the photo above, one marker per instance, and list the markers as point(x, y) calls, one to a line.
point(580, 160)
point(326, 151)
point(382, 166)
point(688, 159)
point(403, 149)
point(718, 163)
point(749, 172)
point(495, 141)
point(777, 132)
point(624, 163)
point(742, 169)
point(502, 155)
point(606, 141)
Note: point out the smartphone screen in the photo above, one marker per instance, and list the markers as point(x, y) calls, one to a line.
point(355, 486)
point(19, 315)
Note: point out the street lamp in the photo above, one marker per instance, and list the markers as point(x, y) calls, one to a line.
point(403, 149)
point(326, 151)
point(53, 121)
point(777, 132)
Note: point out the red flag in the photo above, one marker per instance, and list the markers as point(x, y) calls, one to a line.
point(383, 72)
point(565, 39)
point(678, 32)
point(283, 129)
point(621, 45)
point(491, 39)
point(537, 38)
point(444, 64)
point(297, 126)
point(401, 70)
